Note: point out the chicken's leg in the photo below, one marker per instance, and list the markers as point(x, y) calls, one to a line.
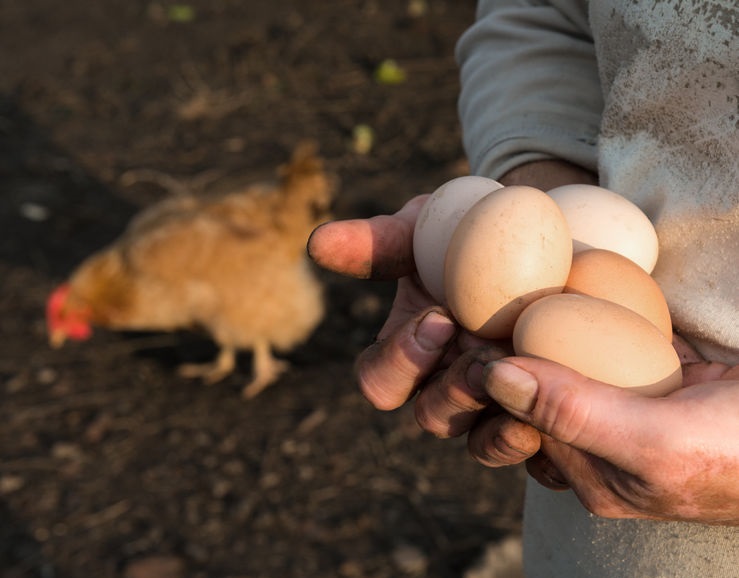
point(266, 370)
point(211, 373)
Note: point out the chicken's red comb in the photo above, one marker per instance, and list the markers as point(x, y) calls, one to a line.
point(55, 302)
point(62, 324)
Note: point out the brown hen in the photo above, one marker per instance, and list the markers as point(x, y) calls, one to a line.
point(232, 264)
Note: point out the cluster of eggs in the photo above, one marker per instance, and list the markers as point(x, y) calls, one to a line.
point(564, 273)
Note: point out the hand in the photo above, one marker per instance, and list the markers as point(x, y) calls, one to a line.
point(419, 336)
point(623, 454)
point(418, 333)
point(419, 340)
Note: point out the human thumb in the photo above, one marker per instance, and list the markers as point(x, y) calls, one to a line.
point(380, 247)
point(585, 414)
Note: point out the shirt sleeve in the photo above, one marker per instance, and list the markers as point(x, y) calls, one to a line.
point(530, 86)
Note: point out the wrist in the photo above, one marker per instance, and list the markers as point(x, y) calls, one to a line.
point(548, 174)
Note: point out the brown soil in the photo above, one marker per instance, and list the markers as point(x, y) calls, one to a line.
point(110, 464)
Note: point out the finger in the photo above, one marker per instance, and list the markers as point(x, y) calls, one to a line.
point(685, 351)
point(704, 371)
point(410, 299)
point(502, 440)
point(449, 405)
point(696, 368)
point(380, 247)
point(390, 370)
point(603, 488)
point(606, 421)
point(466, 341)
point(541, 468)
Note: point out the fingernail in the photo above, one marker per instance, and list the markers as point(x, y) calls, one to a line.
point(511, 386)
point(434, 331)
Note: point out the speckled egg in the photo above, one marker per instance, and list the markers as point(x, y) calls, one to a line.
point(510, 249)
point(601, 340)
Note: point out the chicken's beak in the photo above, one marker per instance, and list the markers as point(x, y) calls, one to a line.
point(57, 338)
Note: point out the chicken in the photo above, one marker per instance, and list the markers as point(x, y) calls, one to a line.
point(231, 264)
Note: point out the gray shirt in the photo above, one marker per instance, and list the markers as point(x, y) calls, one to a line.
point(563, 540)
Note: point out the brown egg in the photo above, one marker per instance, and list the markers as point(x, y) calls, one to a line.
point(511, 248)
point(611, 276)
point(601, 340)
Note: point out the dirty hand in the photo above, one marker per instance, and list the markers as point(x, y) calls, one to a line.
point(623, 454)
point(418, 337)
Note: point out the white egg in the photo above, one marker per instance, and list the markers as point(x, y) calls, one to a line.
point(601, 219)
point(436, 223)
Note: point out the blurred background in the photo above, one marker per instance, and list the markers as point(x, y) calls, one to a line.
point(110, 464)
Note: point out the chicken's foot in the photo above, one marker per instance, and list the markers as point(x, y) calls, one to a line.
point(266, 370)
point(213, 372)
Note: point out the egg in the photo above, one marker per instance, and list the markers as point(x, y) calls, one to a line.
point(601, 219)
point(613, 277)
point(601, 340)
point(511, 248)
point(436, 222)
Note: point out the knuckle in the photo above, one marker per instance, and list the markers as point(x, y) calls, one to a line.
point(502, 441)
point(429, 420)
point(377, 391)
point(518, 439)
point(390, 370)
point(386, 376)
point(445, 407)
point(567, 418)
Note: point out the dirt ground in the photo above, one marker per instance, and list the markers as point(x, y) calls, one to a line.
point(110, 464)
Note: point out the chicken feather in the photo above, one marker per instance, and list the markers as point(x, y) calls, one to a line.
point(233, 264)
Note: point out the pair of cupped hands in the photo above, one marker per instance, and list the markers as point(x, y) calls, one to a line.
point(623, 454)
